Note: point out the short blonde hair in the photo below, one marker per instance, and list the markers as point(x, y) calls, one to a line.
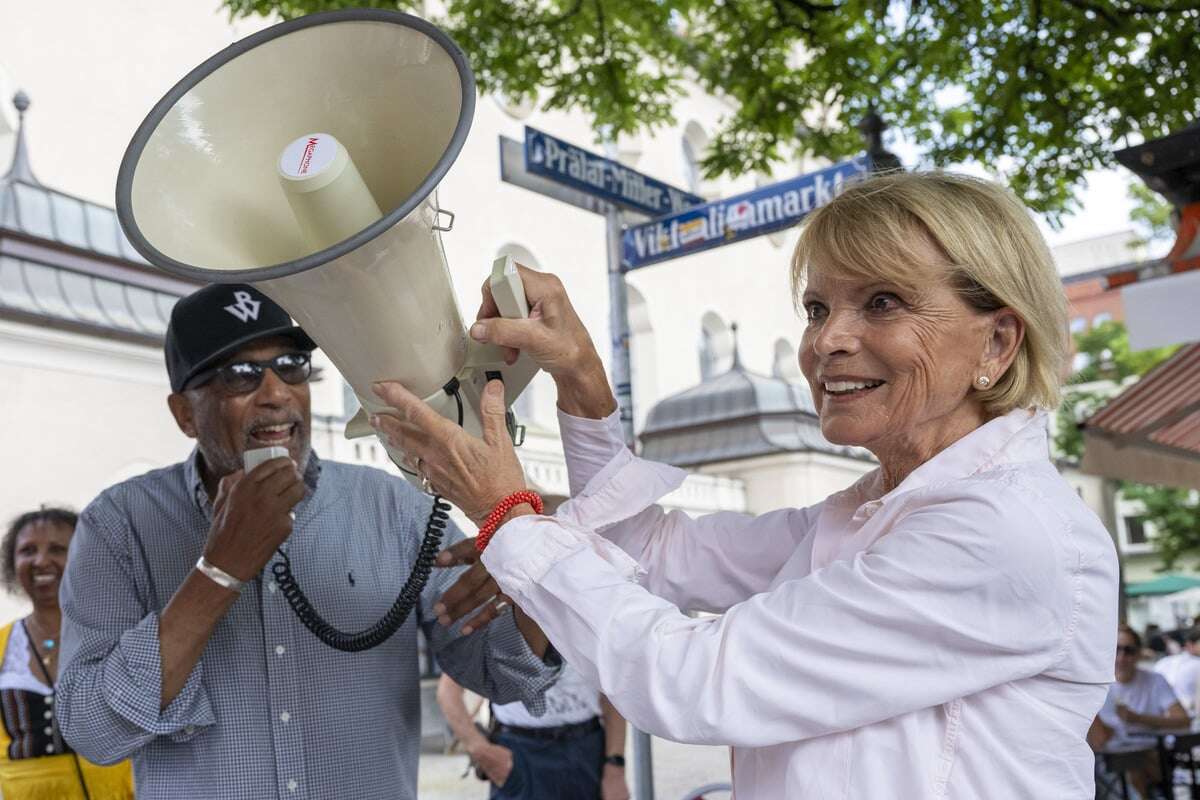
point(995, 258)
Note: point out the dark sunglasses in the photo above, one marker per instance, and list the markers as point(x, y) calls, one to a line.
point(1128, 649)
point(242, 377)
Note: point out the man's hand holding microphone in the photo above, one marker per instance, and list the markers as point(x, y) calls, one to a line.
point(252, 515)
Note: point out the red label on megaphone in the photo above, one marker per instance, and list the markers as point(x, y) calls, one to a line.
point(308, 155)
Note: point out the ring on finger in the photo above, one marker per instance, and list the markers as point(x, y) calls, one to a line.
point(500, 604)
point(426, 485)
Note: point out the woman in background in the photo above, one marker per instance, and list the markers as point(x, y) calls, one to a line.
point(35, 762)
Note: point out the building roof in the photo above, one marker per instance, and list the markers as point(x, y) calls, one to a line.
point(736, 415)
point(1150, 433)
point(64, 261)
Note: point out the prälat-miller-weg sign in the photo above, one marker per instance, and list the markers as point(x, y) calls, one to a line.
point(602, 177)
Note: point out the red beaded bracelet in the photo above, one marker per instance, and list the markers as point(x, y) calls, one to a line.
point(502, 508)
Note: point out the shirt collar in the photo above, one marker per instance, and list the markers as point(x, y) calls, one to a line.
point(1020, 435)
point(191, 472)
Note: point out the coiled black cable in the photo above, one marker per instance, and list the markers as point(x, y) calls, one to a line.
point(390, 622)
point(410, 594)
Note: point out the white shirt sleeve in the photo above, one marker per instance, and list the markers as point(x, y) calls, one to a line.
point(1108, 712)
point(1162, 696)
point(950, 602)
point(588, 445)
point(704, 564)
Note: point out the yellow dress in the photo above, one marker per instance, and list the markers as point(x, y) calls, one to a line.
point(55, 776)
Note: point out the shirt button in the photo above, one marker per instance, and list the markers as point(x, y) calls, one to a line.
point(48, 730)
point(285, 716)
point(48, 714)
point(189, 730)
point(271, 586)
point(279, 650)
point(292, 785)
point(49, 748)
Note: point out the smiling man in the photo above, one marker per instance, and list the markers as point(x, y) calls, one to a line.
point(179, 649)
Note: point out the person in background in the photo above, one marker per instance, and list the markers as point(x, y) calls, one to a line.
point(35, 762)
point(576, 751)
point(1139, 704)
point(1155, 641)
point(1182, 670)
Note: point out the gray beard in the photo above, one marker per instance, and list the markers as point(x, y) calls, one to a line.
point(219, 462)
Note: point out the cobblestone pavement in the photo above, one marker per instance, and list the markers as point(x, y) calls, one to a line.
point(677, 769)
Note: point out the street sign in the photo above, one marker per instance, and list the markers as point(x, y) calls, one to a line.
point(735, 219)
point(602, 177)
point(512, 170)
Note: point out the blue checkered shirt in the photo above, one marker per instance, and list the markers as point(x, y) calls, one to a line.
point(269, 711)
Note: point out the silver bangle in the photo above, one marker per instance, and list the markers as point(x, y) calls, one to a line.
point(218, 576)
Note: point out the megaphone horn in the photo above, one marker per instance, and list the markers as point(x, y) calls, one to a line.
point(305, 159)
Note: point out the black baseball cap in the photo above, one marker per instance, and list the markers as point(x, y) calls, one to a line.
point(214, 322)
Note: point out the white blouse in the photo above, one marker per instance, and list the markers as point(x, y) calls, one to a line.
point(15, 672)
point(952, 638)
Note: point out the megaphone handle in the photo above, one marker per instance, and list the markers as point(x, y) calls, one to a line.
point(507, 289)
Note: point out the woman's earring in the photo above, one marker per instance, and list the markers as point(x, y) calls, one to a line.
point(983, 381)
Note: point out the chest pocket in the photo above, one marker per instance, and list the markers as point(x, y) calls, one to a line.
point(350, 576)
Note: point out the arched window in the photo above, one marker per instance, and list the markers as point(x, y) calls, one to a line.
point(517, 109)
point(716, 345)
point(695, 147)
point(785, 364)
point(629, 148)
point(641, 356)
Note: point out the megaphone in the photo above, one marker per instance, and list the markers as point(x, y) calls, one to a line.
point(305, 159)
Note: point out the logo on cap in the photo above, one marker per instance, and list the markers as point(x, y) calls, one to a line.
point(246, 307)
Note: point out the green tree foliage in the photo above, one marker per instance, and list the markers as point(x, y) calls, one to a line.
point(1174, 513)
point(1109, 361)
point(1043, 90)
point(1151, 213)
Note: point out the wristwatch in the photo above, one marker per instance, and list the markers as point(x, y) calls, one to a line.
point(616, 761)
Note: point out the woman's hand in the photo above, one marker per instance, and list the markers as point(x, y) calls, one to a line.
point(474, 474)
point(554, 337)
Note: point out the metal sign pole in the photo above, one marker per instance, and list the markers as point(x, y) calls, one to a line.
point(618, 318)
point(618, 323)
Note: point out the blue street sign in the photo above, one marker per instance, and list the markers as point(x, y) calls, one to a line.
point(737, 218)
point(602, 177)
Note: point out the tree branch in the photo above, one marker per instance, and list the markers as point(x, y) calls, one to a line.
point(1112, 13)
point(1147, 8)
point(811, 8)
point(563, 17)
point(1099, 10)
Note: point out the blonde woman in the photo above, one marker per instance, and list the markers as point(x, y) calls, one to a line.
point(942, 628)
